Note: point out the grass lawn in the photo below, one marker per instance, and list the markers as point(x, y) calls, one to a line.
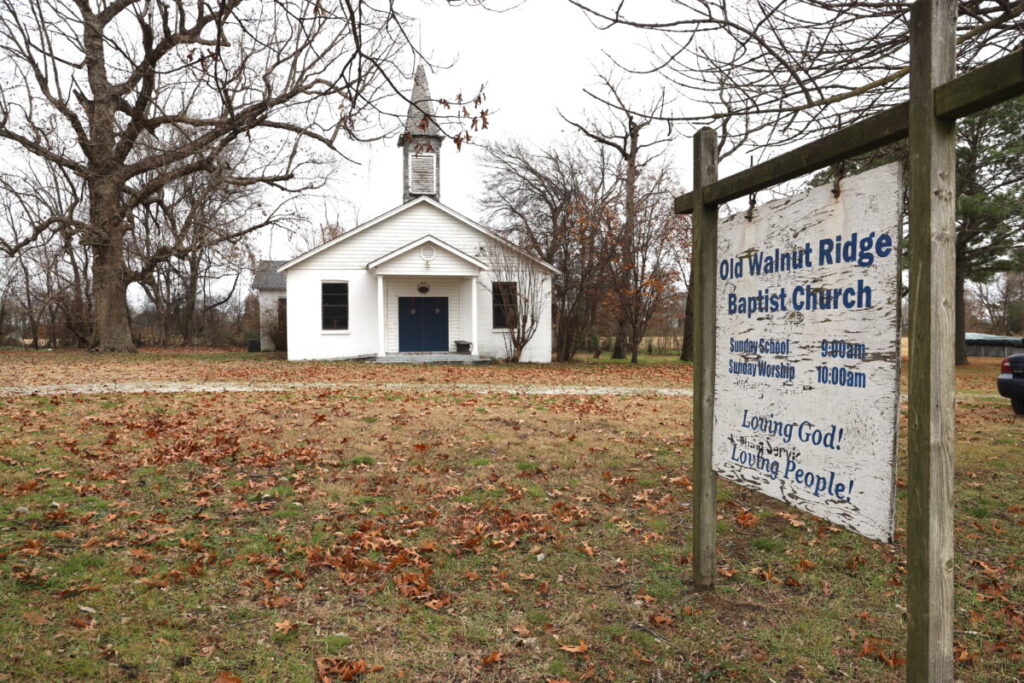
point(40, 368)
point(448, 536)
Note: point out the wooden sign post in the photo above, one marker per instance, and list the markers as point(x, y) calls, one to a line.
point(705, 250)
point(932, 303)
point(937, 100)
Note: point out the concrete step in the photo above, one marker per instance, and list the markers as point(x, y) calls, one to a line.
point(433, 358)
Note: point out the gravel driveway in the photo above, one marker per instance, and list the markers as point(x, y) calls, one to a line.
point(424, 387)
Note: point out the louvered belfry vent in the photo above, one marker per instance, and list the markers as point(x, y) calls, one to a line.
point(421, 142)
point(423, 174)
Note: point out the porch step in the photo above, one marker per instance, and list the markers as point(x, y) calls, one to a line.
point(433, 358)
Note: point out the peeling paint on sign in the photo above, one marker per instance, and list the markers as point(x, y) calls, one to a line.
point(807, 350)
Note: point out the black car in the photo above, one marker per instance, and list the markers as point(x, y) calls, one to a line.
point(1011, 381)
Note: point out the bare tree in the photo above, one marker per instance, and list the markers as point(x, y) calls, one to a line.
point(313, 235)
point(126, 97)
point(686, 346)
point(7, 282)
point(780, 71)
point(521, 292)
point(194, 233)
point(643, 263)
point(553, 203)
point(772, 73)
point(1001, 302)
point(634, 270)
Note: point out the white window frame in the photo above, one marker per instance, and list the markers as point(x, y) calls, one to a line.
point(494, 293)
point(348, 304)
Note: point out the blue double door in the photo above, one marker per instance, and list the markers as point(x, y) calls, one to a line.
point(422, 323)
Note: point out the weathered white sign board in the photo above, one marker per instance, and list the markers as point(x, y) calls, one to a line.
point(807, 351)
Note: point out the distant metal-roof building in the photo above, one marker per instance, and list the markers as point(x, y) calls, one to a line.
point(992, 345)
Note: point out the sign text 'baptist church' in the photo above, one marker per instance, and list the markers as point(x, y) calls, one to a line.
point(807, 349)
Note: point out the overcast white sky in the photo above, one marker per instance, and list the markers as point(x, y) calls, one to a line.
point(534, 60)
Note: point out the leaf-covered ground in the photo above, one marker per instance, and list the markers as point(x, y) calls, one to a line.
point(383, 535)
point(63, 367)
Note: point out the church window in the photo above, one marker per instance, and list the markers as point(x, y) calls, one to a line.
point(334, 305)
point(504, 308)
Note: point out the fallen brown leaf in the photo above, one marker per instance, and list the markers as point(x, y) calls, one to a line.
point(576, 649)
point(492, 659)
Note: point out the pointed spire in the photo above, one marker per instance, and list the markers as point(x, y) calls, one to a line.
point(421, 170)
point(420, 120)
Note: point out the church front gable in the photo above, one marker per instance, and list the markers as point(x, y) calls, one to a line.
point(428, 256)
point(414, 222)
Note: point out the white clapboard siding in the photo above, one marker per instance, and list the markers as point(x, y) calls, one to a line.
point(407, 226)
point(443, 263)
point(306, 339)
point(448, 276)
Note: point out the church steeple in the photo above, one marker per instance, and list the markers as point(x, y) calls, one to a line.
point(421, 143)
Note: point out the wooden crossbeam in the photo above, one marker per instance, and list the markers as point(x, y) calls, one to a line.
point(981, 88)
point(975, 90)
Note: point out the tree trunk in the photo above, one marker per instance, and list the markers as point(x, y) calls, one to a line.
point(558, 323)
point(960, 326)
point(563, 345)
point(567, 337)
point(619, 350)
point(634, 337)
point(52, 332)
point(112, 328)
point(112, 331)
point(686, 353)
point(80, 315)
point(628, 250)
point(33, 323)
point(34, 328)
point(105, 183)
point(151, 286)
point(188, 316)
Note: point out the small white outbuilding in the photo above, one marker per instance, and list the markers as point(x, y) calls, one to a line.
point(420, 279)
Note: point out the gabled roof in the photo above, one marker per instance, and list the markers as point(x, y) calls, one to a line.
point(405, 207)
point(429, 239)
point(420, 120)
point(267, 278)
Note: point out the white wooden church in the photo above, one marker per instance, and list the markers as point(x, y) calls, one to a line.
point(419, 282)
